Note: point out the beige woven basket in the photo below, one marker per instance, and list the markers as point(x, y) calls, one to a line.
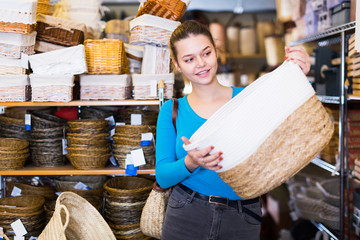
point(14, 51)
point(76, 219)
point(11, 70)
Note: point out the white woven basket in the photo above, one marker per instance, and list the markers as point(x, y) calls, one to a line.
point(146, 85)
point(21, 11)
point(51, 88)
point(13, 44)
point(11, 70)
point(105, 87)
point(14, 88)
point(67, 61)
point(279, 124)
point(149, 29)
point(156, 60)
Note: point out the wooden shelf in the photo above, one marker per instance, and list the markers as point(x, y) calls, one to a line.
point(68, 170)
point(81, 103)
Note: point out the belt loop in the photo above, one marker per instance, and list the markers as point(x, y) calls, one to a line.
point(239, 206)
point(191, 197)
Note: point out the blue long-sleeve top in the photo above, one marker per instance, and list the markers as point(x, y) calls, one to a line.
point(170, 154)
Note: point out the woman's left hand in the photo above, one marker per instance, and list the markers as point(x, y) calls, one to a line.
point(299, 56)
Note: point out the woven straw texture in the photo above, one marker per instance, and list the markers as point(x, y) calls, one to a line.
point(285, 152)
point(142, 35)
point(58, 93)
point(173, 9)
point(76, 219)
point(106, 56)
point(14, 51)
point(144, 91)
point(16, 27)
point(14, 94)
point(153, 213)
point(8, 70)
point(47, 192)
point(104, 92)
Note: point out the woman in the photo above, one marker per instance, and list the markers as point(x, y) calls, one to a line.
point(201, 205)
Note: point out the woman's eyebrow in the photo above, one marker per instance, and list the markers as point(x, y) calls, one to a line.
point(188, 55)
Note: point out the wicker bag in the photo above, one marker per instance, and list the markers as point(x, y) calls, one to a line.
point(153, 213)
point(173, 9)
point(75, 219)
point(287, 130)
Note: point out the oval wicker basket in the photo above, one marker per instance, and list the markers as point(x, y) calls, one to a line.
point(91, 150)
point(88, 123)
point(89, 135)
point(47, 192)
point(12, 144)
point(135, 129)
point(45, 120)
point(69, 182)
point(87, 141)
point(21, 204)
point(83, 162)
point(13, 117)
point(55, 132)
point(127, 185)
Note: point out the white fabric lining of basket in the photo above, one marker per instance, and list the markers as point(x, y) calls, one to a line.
point(156, 60)
point(243, 124)
point(42, 46)
point(137, 51)
point(68, 25)
point(9, 11)
point(13, 80)
point(105, 80)
point(51, 80)
point(15, 62)
point(18, 39)
point(154, 21)
point(152, 80)
point(67, 61)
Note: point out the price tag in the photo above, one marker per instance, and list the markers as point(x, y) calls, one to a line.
point(111, 120)
point(146, 139)
point(135, 119)
point(82, 186)
point(113, 161)
point(119, 124)
point(33, 238)
point(18, 228)
point(15, 192)
point(112, 132)
point(138, 157)
point(153, 88)
point(28, 122)
point(64, 146)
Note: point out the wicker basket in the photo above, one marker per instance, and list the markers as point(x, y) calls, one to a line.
point(84, 161)
point(68, 182)
point(12, 144)
point(51, 88)
point(12, 70)
point(42, 120)
point(125, 186)
point(16, 27)
point(173, 9)
point(60, 31)
point(44, 8)
point(105, 87)
point(13, 118)
point(135, 129)
point(47, 192)
point(96, 113)
point(148, 116)
point(106, 56)
point(88, 123)
point(149, 29)
point(14, 88)
point(146, 85)
point(55, 132)
point(21, 204)
point(87, 141)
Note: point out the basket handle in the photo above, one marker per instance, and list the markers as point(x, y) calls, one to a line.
point(67, 217)
point(323, 191)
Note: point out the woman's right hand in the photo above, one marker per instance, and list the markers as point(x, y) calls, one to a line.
point(196, 158)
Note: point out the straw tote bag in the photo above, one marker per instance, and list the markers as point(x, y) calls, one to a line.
point(153, 213)
point(76, 219)
point(268, 132)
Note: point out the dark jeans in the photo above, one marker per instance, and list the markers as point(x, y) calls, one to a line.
point(191, 218)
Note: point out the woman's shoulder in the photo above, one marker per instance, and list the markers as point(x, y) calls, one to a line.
point(236, 90)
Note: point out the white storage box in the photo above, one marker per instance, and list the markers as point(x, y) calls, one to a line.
point(51, 88)
point(13, 44)
point(135, 56)
point(13, 66)
point(149, 29)
point(146, 85)
point(156, 60)
point(67, 61)
point(14, 88)
point(105, 87)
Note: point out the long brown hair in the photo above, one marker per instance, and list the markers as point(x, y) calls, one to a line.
point(186, 29)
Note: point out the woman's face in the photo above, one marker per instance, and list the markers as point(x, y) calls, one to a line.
point(197, 59)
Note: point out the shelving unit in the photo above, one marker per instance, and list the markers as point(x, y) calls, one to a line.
point(337, 35)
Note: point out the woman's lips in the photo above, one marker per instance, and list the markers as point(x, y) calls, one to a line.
point(203, 73)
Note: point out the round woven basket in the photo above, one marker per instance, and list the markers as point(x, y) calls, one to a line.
point(88, 123)
point(95, 113)
point(88, 135)
point(123, 139)
point(148, 117)
point(91, 150)
point(13, 118)
point(13, 144)
point(83, 162)
point(88, 141)
point(47, 192)
point(88, 130)
point(41, 159)
point(57, 132)
point(127, 185)
point(44, 120)
point(69, 182)
point(75, 218)
point(10, 133)
point(9, 154)
point(12, 126)
point(13, 162)
point(135, 129)
point(21, 204)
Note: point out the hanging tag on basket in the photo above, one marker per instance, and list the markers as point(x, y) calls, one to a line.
point(135, 119)
point(130, 169)
point(111, 120)
point(138, 157)
point(28, 122)
point(64, 146)
point(1, 233)
point(18, 228)
point(113, 161)
point(32, 238)
point(82, 186)
point(15, 192)
point(146, 139)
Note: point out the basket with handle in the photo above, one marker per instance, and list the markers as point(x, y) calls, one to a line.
point(173, 9)
point(106, 56)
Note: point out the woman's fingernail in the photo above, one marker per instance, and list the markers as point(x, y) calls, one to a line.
point(291, 59)
point(221, 158)
point(286, 57)
point(212, 147)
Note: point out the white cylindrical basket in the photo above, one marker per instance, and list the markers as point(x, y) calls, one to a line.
point(268, 132)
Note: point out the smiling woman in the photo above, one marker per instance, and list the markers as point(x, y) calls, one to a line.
point(202, 205)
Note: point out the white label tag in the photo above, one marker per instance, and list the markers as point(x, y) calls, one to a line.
point(128, 160)
point(28, 122)
point(138, 157)
point(82, 186)
point(64, 146)
point(113, 161)
point(147, 136)
point(19, 238)
point(111, 120)
point(24, 61)
point(135, 119)
point(119, 124)
point(58, 193)
point(15, 192)
point(33, 238)
point(18, 228)
point(112, 132)
point(153, 88)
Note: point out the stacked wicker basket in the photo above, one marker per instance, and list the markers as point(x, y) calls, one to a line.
point(124, 200)
point(29, 209)
point(94, 192)
point(128, 138)
point(13, 125)
point(13, 153)
point(46, 139)
point(88, 143)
